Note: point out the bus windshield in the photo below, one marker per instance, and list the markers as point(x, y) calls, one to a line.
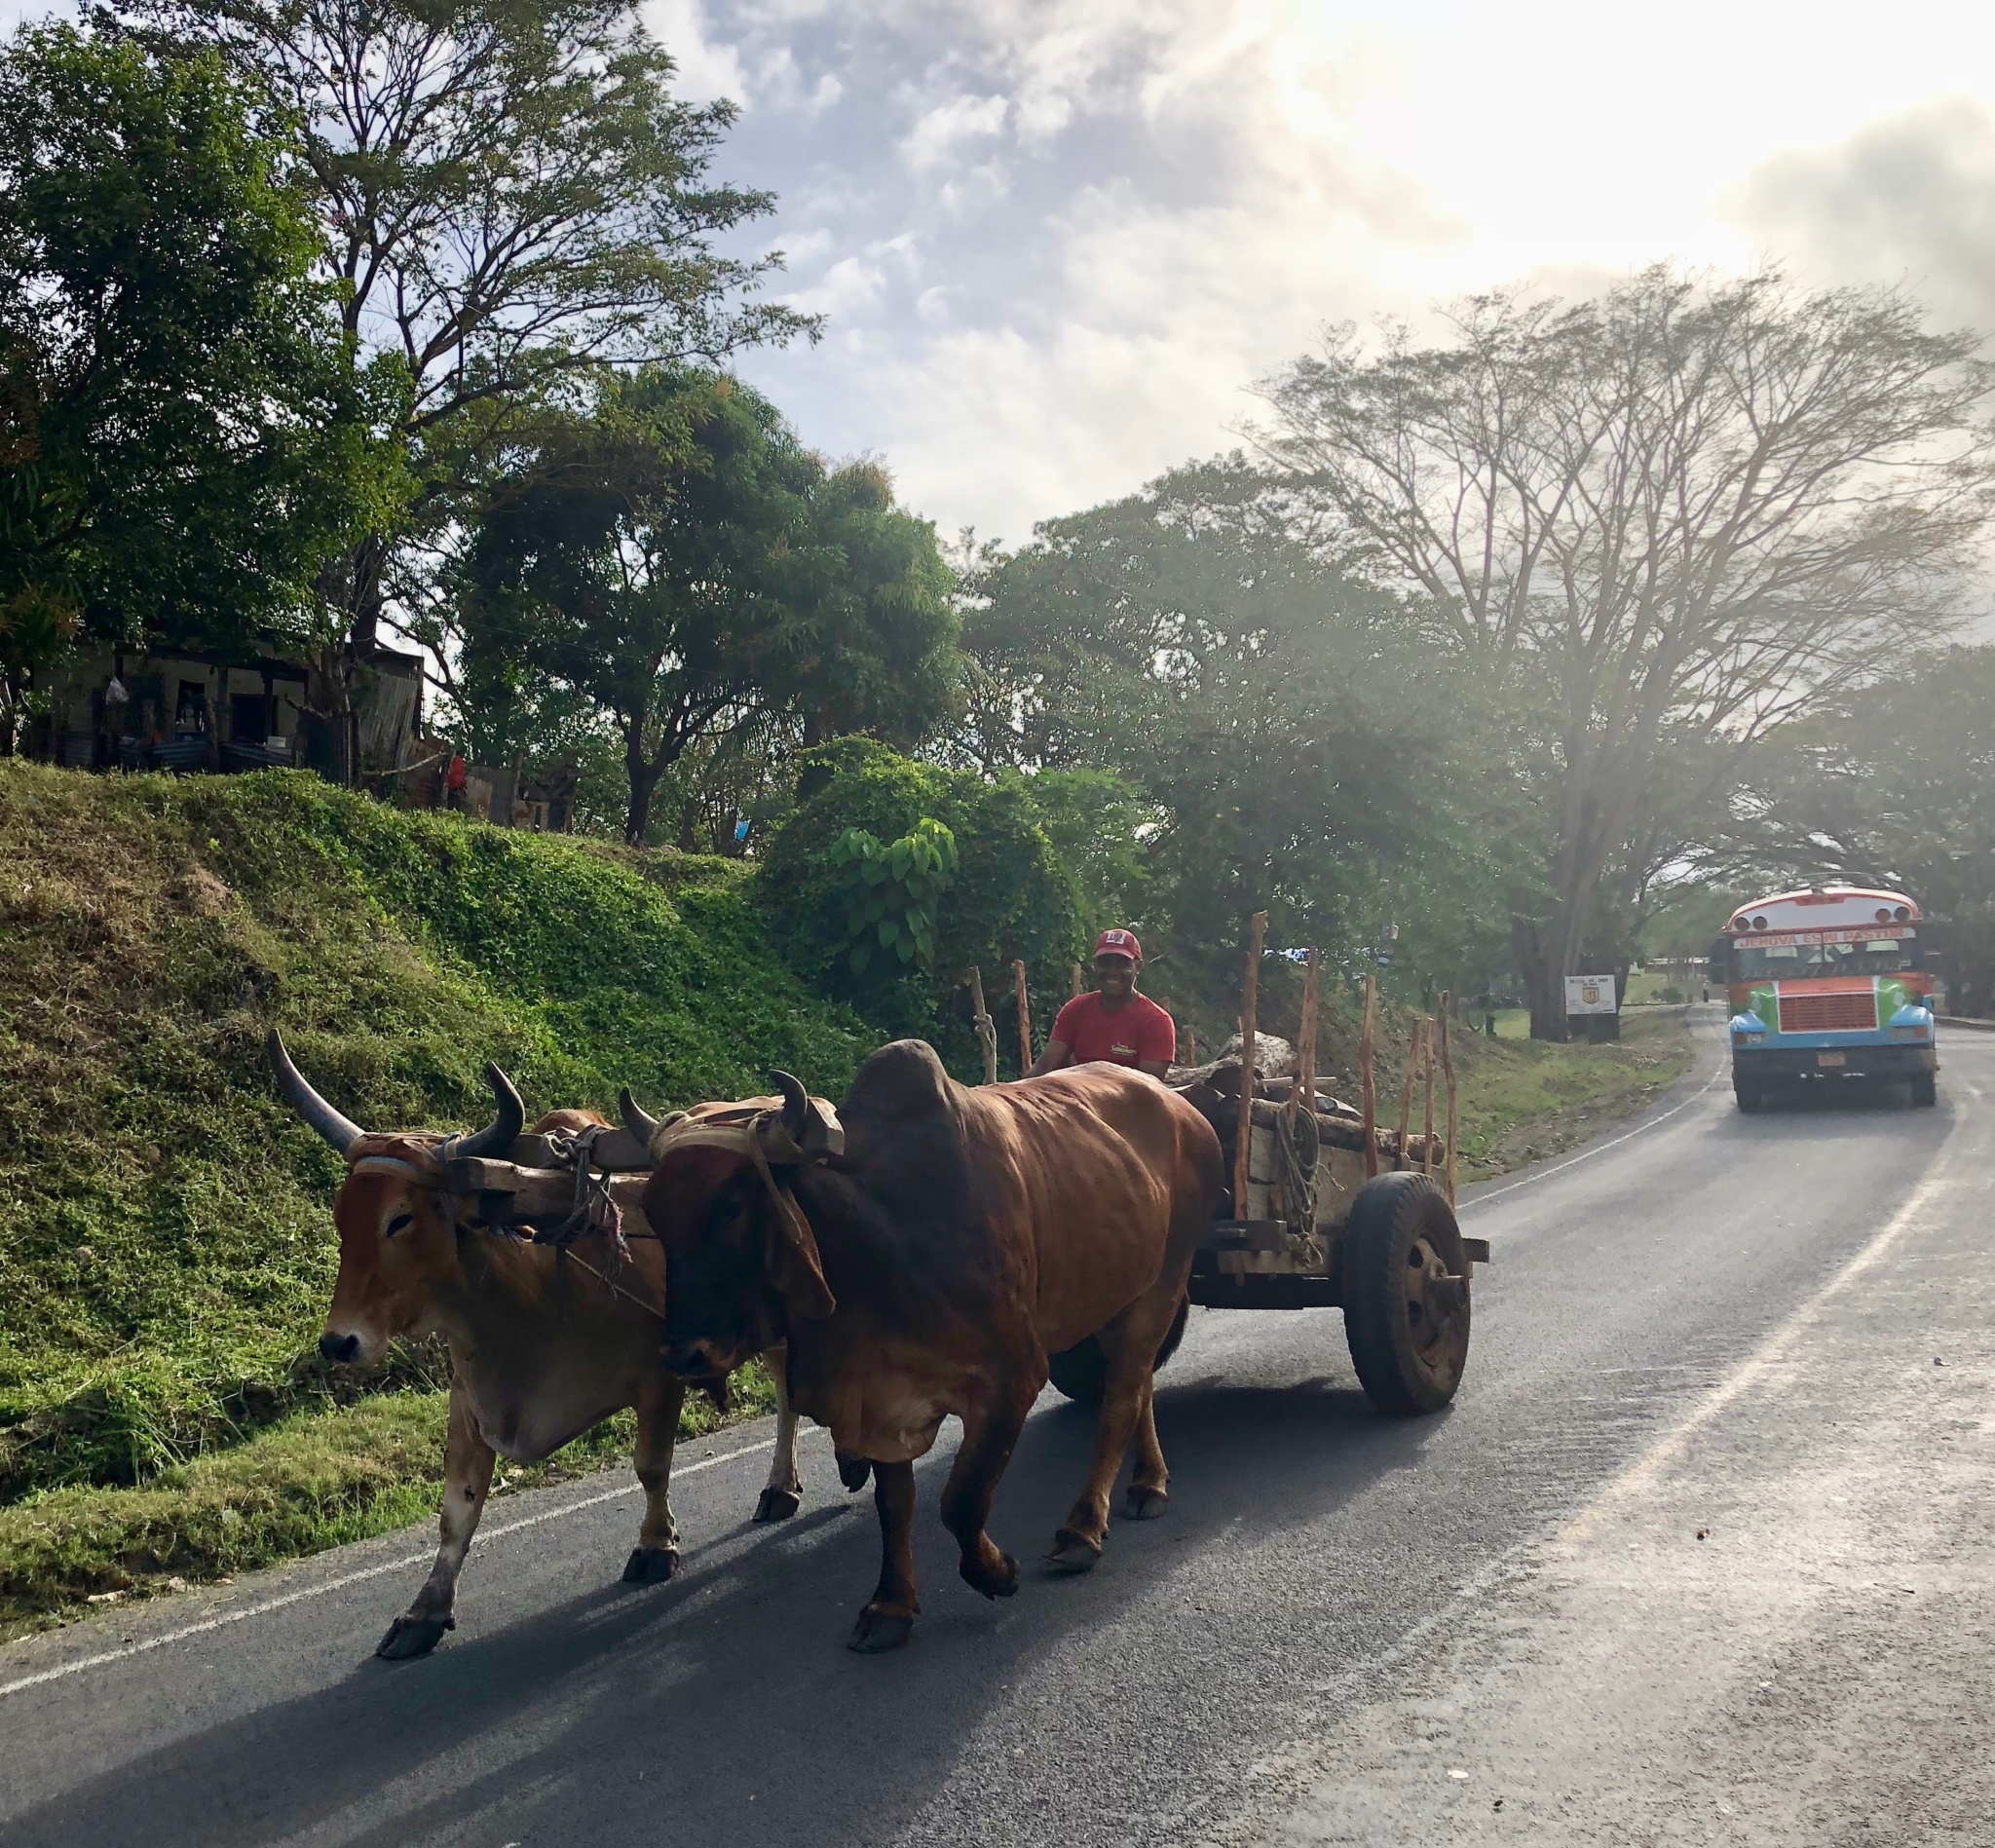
point(1793, 962)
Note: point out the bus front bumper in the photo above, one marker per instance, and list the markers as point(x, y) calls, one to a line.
point(1779, 1063)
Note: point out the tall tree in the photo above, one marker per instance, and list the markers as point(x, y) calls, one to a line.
point(511, 198)
point(184, 443)
point(1288, 722)
point(679, 559)
point(1678, 505)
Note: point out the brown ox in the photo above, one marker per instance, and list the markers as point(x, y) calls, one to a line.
point(544, 1344)
point(929, 1269)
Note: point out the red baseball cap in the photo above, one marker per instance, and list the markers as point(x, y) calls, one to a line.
point(1120, 943)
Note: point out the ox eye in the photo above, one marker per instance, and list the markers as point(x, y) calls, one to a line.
point(400, 1223)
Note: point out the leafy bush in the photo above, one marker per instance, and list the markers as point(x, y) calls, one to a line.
point(1011, 896)
point(891, 892)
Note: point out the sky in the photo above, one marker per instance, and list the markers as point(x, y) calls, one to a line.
point(1056, 241)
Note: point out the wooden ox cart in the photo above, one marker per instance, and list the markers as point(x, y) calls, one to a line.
point(1330, 1210)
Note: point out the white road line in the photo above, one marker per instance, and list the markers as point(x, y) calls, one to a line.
point(399, 1563)
point(1598, 1149)
point(1755, 1368)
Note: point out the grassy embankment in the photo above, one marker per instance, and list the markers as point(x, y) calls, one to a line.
point(166, 1253)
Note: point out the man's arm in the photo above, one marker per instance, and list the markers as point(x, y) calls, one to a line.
point(1159, 1045)
point(1058, 1054)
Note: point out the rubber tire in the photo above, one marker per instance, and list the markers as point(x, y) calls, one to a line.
point(1924, 1091)
point(1081, 1371)
point(1751, 1099)
point(1389, 1214)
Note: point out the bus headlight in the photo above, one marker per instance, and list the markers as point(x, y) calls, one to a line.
point(1749, 1039)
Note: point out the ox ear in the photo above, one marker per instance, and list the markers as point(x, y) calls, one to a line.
point(797, 1271)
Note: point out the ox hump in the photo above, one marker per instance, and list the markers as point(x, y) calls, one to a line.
point(903, 1082)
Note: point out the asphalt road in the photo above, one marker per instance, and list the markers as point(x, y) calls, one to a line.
point(1498, 1624)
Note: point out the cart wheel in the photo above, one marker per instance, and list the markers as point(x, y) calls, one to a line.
point(1406, 1291)
point(1081, 1371)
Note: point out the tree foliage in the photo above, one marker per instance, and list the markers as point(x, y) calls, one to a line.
point(1010, 895)
point(183, 441)
point(679, 560)
point(1289, 728)
point(511, 198)
point(1678, 505)
point(1892, 784)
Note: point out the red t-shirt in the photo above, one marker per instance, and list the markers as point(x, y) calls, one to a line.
point(1139, 1034)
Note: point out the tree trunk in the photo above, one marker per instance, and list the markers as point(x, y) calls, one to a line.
point(644, 782)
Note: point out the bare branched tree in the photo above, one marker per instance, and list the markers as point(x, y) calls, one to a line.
point(1682, 505)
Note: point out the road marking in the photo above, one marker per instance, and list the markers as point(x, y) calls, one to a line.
point(1599, 1147)
point(379, 1570)
point(1755, 1368)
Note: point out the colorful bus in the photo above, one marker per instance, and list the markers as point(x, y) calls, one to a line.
point(1827, 986)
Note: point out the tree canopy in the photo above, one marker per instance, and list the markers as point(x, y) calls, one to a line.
point(184, 439)
point(1678, 505)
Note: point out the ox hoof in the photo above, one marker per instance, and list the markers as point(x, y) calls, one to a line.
point(878, 1631)
point(853, 1471)
point(410, 1636)
point(1073, 1552)
point(777, 1504)
point(1001, 1583)
point(651, 1565)
point(1144, 1504)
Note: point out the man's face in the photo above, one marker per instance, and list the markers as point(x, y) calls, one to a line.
point(1116, 976)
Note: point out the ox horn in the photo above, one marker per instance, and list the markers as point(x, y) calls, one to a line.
point(499, 1136)
point(796, 1105)
point(636, 1118)
point(302, 1097)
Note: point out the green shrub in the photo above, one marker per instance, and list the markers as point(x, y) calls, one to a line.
point(1011, 895)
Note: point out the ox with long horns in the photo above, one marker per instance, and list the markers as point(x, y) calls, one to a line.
point(545, 1342)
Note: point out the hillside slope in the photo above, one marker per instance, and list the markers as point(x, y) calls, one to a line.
point(166, 1253)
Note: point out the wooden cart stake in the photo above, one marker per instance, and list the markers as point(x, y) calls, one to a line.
point(1427, 1063)
point(987, 1028)
point(1244, 1137)
point(1454, 1122)
point(1304, 1087)
point(1366, 1083)
point(1405, 1102)
point(1025, 1020)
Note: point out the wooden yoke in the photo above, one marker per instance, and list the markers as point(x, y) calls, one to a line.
point(1244, 1137)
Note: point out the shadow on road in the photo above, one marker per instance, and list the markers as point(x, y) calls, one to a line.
point(723, 1707)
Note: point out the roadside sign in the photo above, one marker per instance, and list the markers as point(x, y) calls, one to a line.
point(1590, 995)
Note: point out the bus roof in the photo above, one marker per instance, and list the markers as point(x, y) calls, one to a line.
point(1822, 908)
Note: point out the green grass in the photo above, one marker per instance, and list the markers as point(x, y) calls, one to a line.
point(318, 1479)
point(166, 1253)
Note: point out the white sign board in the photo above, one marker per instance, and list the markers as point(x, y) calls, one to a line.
point(1589, 994)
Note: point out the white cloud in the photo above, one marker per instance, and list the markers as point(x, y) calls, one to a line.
point(934, 140)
